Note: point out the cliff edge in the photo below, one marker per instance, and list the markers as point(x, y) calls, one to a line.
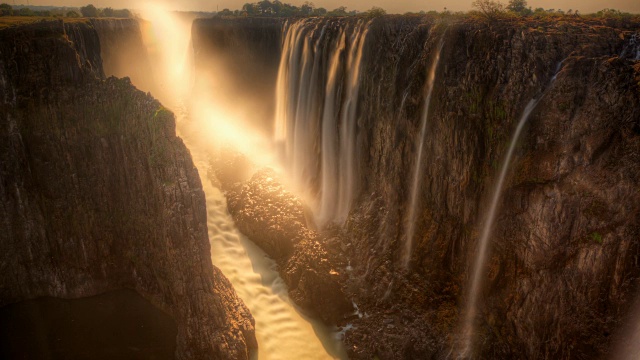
point(99, 194)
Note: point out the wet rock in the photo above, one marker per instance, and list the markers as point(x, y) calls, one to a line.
point(276, 220)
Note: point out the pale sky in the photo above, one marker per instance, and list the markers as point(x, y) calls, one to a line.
point(392, 6)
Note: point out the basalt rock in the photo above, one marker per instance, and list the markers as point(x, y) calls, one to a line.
point(276, 220)
point(97, 193)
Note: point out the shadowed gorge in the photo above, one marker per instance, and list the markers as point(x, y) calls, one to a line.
point(113, 325)
point(363, 187)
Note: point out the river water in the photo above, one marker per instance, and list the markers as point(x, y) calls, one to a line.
point(282, 330)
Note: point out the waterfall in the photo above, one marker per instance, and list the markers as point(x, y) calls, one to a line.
point(632, 49)
point(415, 183)
point(476, 281)
point(467, 330)
point(316, 111)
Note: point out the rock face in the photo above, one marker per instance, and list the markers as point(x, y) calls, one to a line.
point(99, 194)
point(562, 269)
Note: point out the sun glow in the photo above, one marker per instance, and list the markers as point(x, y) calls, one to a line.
point(216, 120)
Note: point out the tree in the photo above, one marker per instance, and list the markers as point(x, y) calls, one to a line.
point(6, 10)
point(250, 9)
point(489, 8)
point(319, 11)
point(25, 12)
point(89, 11)
point(225, 12)
point(73, 14)
point(122, 13)
point(375, 12)
point(519, 7)
point(307, 8)
point(265, 7)
point(340, 11)
point(108, 12)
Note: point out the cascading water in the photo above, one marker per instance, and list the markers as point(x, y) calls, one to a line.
point(317, 98)
point(632, 50)
point(470, 315)
point(415, 183)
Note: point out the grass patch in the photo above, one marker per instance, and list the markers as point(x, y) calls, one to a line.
point(596, 237)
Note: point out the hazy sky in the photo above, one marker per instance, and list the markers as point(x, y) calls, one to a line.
point(392, 6)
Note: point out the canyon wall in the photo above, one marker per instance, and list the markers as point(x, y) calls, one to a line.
point(99, 194)
point(562, 269)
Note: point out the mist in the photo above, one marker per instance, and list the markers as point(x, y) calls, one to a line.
point(399, 6)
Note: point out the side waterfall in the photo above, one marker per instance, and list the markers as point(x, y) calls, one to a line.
point(316, 111)
point(415, 184)
point(476, 282)
point(467, 333)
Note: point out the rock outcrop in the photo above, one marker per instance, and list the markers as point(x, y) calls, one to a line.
point(562, 269)
point(99, 194)
point(276, 220)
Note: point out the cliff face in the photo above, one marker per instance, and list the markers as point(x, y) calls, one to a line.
point(562, 253)
point(562, 268)
point(98, 193)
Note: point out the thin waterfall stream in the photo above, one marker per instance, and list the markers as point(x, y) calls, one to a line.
point(468, 325)
point(476, 281)
point(415, 183)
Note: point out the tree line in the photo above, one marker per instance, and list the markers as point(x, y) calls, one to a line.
point(494, 9)
point(85, 11)
point(277, 8)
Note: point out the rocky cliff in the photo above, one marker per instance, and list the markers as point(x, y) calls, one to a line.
point(563, 268)
point(99, 194)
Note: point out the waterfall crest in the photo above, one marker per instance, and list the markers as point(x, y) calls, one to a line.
point(316, 111)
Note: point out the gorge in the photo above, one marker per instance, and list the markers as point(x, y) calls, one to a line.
point(424, 186)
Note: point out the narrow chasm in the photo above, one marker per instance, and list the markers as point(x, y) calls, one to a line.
point(366, 186)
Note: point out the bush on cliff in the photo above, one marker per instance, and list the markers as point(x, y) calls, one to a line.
point(6, 10)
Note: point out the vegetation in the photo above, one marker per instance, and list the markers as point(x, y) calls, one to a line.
point(596, 237)
point(6, 10)
point(42, 11)
point(277, 8)
point(490, 9)
point(375, 12)
point(494, 9)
